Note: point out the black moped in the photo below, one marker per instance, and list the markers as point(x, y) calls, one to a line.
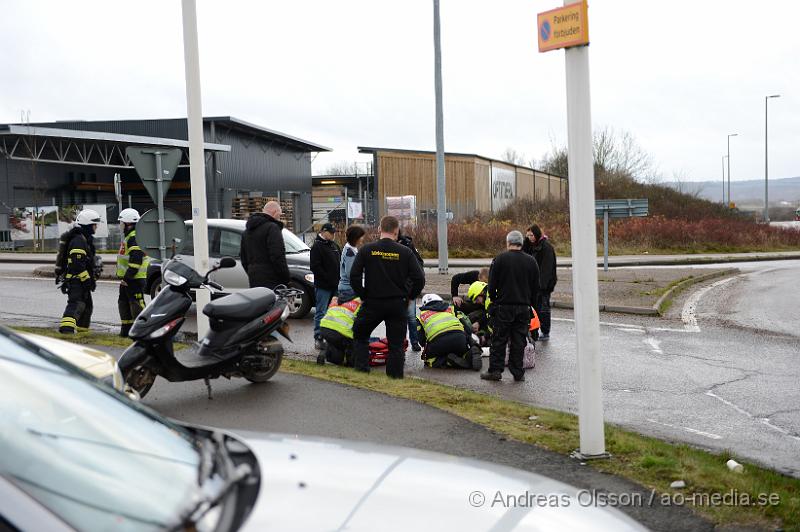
point(242, 340)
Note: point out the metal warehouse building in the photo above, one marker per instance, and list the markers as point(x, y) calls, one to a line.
point(74, 162)
point(474, 183)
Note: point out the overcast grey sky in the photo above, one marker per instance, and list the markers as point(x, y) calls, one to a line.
point(679, 75)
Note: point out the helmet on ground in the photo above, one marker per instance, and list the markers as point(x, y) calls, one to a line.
point(429, 298)
point(128, 216)
point(88, 217)
point(476, 289)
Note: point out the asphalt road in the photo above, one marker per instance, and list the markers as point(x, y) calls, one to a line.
point(699, 377)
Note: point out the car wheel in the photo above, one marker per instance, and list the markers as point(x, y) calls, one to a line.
point(155, 288)
point(303, 304)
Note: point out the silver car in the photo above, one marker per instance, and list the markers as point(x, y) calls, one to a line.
point(225, 240)
point(75, 455)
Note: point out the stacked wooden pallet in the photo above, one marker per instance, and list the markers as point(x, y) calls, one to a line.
point(244, 206)
point(328, 204)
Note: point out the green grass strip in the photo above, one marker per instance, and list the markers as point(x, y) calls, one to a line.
point(647, 461)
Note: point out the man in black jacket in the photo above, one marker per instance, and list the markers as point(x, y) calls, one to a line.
point(385, 275)
point(324, 257)
point(537, 245)
point(263, 252)
point(513, 287)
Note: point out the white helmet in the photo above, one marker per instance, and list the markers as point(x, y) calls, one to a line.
point(128, 216)
point(429, 298)
point(88, 217)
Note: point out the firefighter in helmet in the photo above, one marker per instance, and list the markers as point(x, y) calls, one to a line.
point(79, 274)
point(132, 265)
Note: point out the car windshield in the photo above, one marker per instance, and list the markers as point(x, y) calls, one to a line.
point(93, 458)
point(293, 243)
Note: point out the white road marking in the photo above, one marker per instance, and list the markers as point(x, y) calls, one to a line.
point(710, 435)
point(763, 420)
point(627, 327)
point(689, 312)
point(654, 344)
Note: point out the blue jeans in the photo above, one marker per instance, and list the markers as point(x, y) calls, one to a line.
point(412, 321)
point(322, 298)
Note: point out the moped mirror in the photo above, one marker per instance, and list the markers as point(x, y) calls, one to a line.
point(227, 262)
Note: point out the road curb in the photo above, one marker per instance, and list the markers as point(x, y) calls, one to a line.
point(683, 285)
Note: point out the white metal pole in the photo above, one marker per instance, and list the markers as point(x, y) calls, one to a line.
point(197, 164)
point(766, 156)
point(584, 251)
point(441, 194)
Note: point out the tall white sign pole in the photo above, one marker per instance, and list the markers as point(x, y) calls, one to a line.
point(584, 251)
point(441, 194)
point(197, 164)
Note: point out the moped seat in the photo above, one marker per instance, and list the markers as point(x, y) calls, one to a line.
point(241, 306)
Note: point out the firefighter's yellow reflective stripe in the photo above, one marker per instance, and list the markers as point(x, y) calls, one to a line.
point(134, 248)
point(67, 320)
point(132, 265)
point(83, 276)
point(68, 276)
point(77, 251)
point(126, 322)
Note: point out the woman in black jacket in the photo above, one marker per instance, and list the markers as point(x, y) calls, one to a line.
point(538, 246)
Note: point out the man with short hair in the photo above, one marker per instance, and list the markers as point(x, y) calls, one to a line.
point(263, 252)
point(513, 288)
point(539, 247)
point(324, 261)
point(385, 275)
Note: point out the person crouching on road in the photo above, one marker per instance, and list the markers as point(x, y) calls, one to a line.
point(477, 298)
point(467, 278)
point(513, 288)
point(446, 338)
point(385, 275)
point(336, 328)
point(132, 266)
point(79, 280)
point(324, 257)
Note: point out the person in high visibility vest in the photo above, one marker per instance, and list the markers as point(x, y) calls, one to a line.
point(132, 265)
point(447, 340)
point(478, 296)
point(336, 328)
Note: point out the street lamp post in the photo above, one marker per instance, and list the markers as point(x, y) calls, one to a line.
point(766, 155)
point(723, 178)
point(729, 166)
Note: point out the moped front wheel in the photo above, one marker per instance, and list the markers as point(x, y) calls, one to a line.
point(141, 379)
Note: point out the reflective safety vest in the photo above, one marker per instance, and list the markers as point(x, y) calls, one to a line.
point(435, 323)
point(123, 258)
point(340, 318)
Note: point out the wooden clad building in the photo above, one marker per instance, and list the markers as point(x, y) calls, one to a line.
point(474, 183)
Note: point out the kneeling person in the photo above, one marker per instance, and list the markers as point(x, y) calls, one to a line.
point(336, 328)
point(447, 339)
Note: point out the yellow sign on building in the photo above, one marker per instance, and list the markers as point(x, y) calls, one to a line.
point(563, 27)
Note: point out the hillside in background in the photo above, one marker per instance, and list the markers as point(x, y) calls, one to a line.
point(745, 194)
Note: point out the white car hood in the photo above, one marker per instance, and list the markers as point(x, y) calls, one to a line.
point(313, 484)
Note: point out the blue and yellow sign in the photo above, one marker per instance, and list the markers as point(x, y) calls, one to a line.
point(563, 27)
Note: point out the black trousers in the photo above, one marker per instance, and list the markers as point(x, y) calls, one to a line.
point(130, 302)
point(78, 313)
point(543, 310)
point(454, 343)
point(338, 347)
point(509, 324)
point(394, 312)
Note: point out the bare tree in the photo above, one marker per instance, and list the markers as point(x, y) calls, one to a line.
point(510, 155)
point(342, 168)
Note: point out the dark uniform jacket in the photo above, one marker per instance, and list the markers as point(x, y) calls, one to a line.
point(324, 257)
point(263, 252)
point(135, 257)
point(545, 257)
point(513, 280)
point(81, 252)
point(386, 270)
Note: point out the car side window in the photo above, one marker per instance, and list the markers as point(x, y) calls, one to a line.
point(188, 242)
point(230, 243)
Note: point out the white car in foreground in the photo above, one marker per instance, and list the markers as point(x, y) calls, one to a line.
point(74, 455)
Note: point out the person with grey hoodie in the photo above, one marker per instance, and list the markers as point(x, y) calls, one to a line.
point(355, 237)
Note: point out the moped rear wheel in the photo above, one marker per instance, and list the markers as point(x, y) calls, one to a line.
point(141, 379)
point(270, 356)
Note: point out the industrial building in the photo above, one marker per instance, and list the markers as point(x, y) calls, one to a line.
point(404, 181)
point(73, 163)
